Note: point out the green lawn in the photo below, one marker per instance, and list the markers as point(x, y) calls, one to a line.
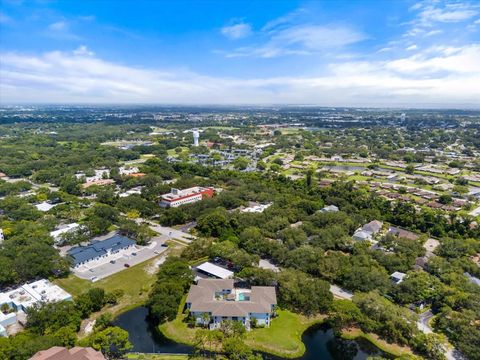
point(171, 152)
point(134, 281)
point(282, 338)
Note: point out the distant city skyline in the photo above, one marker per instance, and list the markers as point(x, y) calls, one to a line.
point(325, 53)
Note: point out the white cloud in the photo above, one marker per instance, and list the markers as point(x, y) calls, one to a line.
point(447, 15)
point(237, 31)
point(433, 32)
point(58, 26)
point(61, 30)
point(82, 50)
point(301, 40)
point(412, 47)
point(442, 76)
point(433, 12)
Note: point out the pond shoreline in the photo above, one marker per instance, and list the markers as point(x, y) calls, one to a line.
point(316, 338)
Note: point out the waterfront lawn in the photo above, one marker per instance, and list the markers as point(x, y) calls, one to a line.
point(391, 348)
point(282, 338)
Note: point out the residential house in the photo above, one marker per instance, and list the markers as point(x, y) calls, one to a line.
point(397, 277)
point(75, 353)
point(212, 301)
point(368, 231)
point(329, 208)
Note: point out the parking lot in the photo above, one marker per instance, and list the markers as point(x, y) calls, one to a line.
point(114, 263)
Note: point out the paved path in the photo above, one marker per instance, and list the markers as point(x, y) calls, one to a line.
point(171, 233)
point(475, 212)
point(423, 322)
point(340, 293)
point(424, 326)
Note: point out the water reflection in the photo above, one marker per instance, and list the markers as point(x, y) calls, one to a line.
point(320, 341)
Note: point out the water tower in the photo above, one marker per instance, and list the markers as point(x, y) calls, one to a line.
point(196, 136)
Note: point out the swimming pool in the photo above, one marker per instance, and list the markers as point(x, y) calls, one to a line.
point(243, 297)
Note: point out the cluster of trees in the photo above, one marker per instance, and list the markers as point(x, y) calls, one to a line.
point(27, 253)
point(312, 246)
point(374, 313)
point(57, 324)
point(173, 280)
point(228, 340)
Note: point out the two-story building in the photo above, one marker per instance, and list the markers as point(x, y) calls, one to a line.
point(212, 301)
point(191, 195)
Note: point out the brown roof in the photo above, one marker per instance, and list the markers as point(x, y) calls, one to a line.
point(61, 353)
point(201, 298)
point(402, 233)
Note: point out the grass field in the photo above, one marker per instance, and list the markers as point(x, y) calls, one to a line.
point(284, 336)
point(134, 281)
point(171, 152)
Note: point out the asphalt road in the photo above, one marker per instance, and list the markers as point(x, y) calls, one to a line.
point(171, 233)
point(423, 322)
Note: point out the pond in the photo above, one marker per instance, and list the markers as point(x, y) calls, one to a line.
point(320, 342)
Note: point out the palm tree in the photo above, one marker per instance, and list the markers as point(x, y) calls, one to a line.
point(205, 319)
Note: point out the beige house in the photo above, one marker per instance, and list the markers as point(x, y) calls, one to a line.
point(212, 301)
point(61, 353)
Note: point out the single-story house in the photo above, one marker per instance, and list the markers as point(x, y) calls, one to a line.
point(368, 231)
point(402, 233)
point(329, 208)
point(397, 277)
point(212, 301)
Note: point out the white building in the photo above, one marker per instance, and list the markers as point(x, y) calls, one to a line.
point(329, 208)
point(214, 270)
point(128, 170)
point(187, 196)
point(256, 208)
point(20, 299)
point(44, 206)
point(63, 229)
point(397, 277)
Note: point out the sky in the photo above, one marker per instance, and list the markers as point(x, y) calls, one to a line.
point(390, 53)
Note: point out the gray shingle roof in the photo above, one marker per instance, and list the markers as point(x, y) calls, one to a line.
point(201, 298)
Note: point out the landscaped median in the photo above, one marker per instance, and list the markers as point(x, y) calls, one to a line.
point(283, 337)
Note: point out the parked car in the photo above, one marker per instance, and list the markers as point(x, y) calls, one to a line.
point(134, 254)
point(126, 265)
point(112, 261)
